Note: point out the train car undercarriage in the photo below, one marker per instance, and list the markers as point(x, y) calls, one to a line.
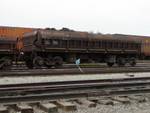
point(39, 60)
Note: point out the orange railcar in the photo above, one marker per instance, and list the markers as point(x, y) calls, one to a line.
point(14, 32)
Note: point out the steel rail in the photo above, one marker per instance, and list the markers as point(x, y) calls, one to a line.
point(72, 89)
point(57, 72)
point(72, 95)
point(11, 91)
point(60, 88)
point(74, 71)
point(33, 85)
point(89, 85)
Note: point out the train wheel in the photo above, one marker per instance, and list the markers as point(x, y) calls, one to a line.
point(59, 61)
point(38, 62)
point(110, 64)
point(121, 62)
point(8, 62)
point(29, 63)
point(132, 61)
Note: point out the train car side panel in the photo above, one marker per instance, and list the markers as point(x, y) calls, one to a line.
point(146, 45)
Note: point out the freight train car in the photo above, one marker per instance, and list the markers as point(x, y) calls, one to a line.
point(8, 51)
point(52, 48)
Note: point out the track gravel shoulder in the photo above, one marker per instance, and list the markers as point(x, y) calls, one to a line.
point(134, 107)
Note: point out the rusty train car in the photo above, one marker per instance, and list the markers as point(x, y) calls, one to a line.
point(8, 51)
point(52, 48)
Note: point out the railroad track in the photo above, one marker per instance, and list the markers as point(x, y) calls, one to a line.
point(141, 67)
point(36, 92)
point(22, 66)
point(53, 92)
point(47, 96)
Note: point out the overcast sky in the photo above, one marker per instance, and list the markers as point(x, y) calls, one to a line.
point(104, 16)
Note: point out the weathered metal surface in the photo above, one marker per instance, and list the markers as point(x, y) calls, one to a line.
point(115, 37)
point(79, 83)
point(62, 34)
point(8, 39)
point(32, 33)
point(8, 42)
point(42, 39)
point(82, 35)
point(80, 43)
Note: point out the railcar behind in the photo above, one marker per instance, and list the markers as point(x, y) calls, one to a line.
point(145, 46)
point(8, 51)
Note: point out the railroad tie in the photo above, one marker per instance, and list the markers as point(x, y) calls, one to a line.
point(138, 98)
point(66, 106)
point(93, 99)
point(3, 109)
point(86, 102)
point(101, 101)
point(121, 99)
point(105, 102)
point(24, 108)
point(49, 107)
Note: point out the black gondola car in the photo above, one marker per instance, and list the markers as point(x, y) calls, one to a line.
point(52, 48)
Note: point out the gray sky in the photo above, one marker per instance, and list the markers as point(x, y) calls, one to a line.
point(105, 16)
